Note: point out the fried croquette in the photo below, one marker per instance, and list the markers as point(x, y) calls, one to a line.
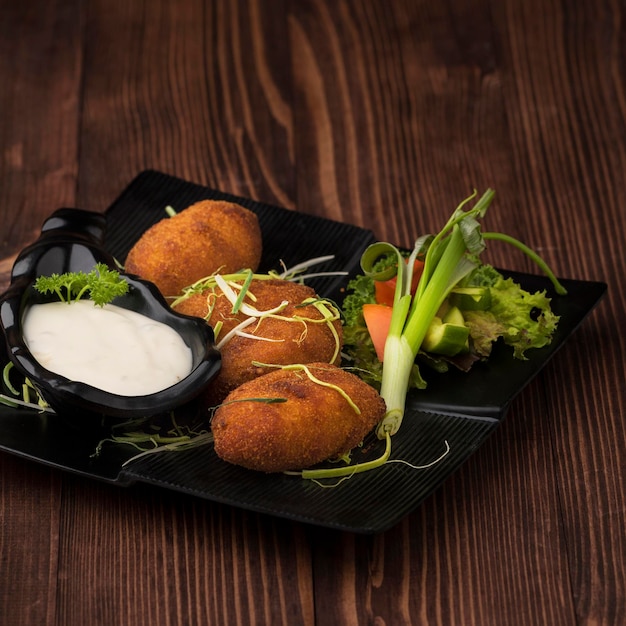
point(306, 422)
point(208, 236)
point(298, 333)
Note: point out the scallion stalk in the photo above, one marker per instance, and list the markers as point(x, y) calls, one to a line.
point(446, 263)
point(448, 256)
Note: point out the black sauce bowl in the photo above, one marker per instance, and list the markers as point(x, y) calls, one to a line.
point(71, 240)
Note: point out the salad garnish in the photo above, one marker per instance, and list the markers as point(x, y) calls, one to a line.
point(452, 313)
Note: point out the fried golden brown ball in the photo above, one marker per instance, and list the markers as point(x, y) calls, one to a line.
point(208, 236)
point(311, 423)
point(296, 334)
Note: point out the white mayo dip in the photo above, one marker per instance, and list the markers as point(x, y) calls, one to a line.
point(111, 348)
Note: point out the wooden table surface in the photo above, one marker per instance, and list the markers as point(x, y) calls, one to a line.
point(384, 114)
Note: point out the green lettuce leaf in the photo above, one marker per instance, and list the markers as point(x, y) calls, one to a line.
point(524, 320)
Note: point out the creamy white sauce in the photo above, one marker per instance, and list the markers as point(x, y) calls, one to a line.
point(111, 348)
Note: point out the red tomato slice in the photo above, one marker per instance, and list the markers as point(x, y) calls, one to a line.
point(385, 290)
point(378, 319)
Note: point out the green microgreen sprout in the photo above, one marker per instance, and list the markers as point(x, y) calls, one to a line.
point(307, 370)
point(237, 289)
point(155, 438)
point(297, 272)
point(22, 398)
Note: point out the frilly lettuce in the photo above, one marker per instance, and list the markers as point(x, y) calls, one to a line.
point(524, 320)
point(521, 319)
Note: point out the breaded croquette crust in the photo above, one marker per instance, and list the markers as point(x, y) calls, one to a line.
point(310, 424)
point(296, 334)
point(208, 236)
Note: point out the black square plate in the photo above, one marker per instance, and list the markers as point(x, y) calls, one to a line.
point(457, 410)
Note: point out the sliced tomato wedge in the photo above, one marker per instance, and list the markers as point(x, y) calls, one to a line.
point(385, 290)
point(378, 320)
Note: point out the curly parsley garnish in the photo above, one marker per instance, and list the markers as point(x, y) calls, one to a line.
point(101, 284)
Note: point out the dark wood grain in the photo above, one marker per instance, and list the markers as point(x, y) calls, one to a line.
point(40, 104)
point(385, 115)
point(29, 541)
point(200, 90)
point(206, 564)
